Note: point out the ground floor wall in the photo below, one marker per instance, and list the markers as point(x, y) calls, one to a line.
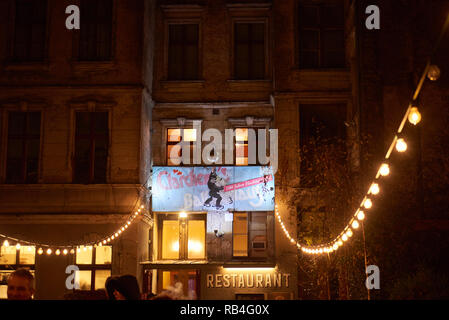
point(125, 256)
point(223, 282)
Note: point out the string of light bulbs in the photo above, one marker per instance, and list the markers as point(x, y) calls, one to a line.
point(414, 117)
point(70, 249)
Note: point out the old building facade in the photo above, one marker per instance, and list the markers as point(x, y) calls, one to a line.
point(75, 117)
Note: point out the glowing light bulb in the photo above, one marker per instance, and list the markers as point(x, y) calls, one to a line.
point(58, 252)
point(116, 234)
point(414, 117)
point(84, 249)
point(72, 251)
point(49, 251)
point(361, 215)
point(142, 206)
point(129, 222)
point(292, 240)
point(349, 233)
point(113, 237)
point(123, 228)
point(384, 170)
point(340, 243)
point(30, 249)
point(78, 250)
point(368, 204)
point(40, 251)
point(6, 243)
point(104, 241)
point(434, 73)
point(374, 189)
point(344, 237)
point(65, 251)
point(18, 246)
point(401, 145)
point(355, 225)
point(335, 246)
point(182, 215)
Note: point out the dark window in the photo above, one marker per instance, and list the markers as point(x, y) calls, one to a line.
point(95, 43)
point(249, 234)
point(91, 147)
point(322, 140)
point(249, 51)
point(30, 30)
point(24, 130)
point(183, 59)
point(321, 36)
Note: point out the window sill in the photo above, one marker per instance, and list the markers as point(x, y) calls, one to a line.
point(27, 66)
point(249, 85)
point(80, 67)
point(182, 85)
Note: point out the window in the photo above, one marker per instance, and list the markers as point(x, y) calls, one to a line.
point(321, 36)
point(246, 142)
point(12, 259)
point(30, 30)
point(95, 266)
point(322, 136)
point(174, 149)
point(183, 238)
point(95, 42)
point(24, 130)
point(249, 51)
point(249, 234)
point(183, 52)
point(91, 147)
point(190, 279)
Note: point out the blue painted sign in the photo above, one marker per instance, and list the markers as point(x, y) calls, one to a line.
point(213, 189)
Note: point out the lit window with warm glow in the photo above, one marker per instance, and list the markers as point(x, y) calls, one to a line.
point(240, 235)
point(196, 239)
point(241, 146)
point(182, 238)
point(174, 149)
point(95, 266)
point(170, 239)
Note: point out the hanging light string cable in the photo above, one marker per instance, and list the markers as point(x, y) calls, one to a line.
point(66, 249)
point(413, 115)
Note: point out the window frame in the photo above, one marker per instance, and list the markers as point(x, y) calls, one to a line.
point(21, 106)
point(12, 267)
point(77, 38)
point(91, 106)
point(12, 34)
point(93, 267)
point(172, 143)
point(182, 21)
point(268, 234)
point(320, 30)
point(267, 62)
point(92, 154)
point(329, 103)
point(183, 234)
point(25, 141)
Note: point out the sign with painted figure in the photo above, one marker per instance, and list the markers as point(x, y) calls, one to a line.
point(213, 189)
